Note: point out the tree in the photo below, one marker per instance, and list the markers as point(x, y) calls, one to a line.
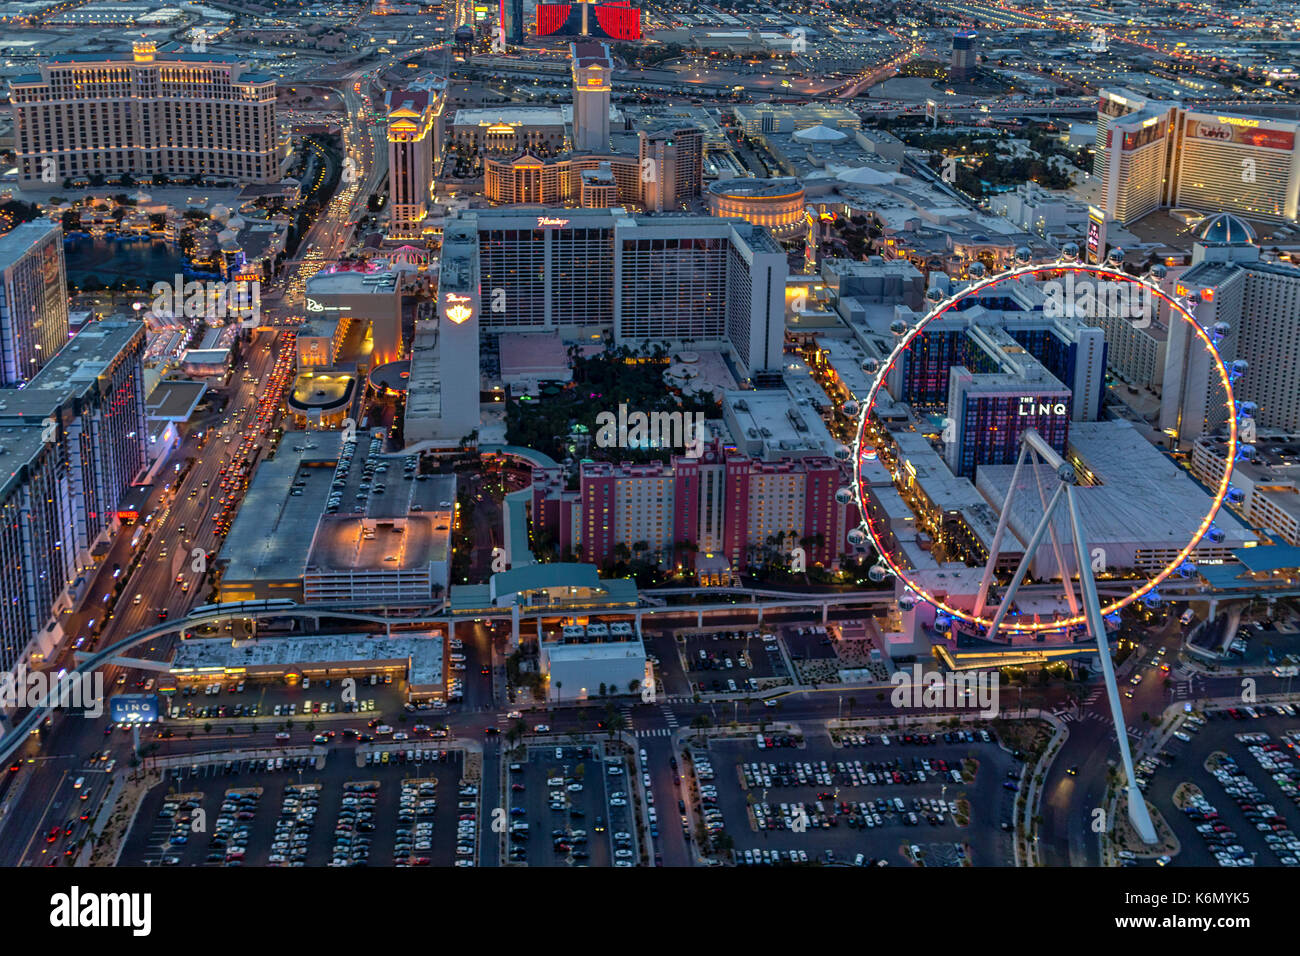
point(701, 722)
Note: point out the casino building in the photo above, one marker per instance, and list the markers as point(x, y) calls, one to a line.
point(778, 204)
point(169, 113)
point(1153, 154)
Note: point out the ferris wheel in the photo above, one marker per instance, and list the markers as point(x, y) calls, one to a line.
point(1086, 608)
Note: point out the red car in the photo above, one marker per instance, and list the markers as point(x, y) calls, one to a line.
point(52, 835)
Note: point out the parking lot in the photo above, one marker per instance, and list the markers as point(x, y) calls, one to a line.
point(730, 661)
point(569, 806)
point(1248, 811)
point(300, 701)
point(297, 815)
point(862, 804)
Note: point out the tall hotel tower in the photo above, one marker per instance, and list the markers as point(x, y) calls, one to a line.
point(410, 159)
point(33, 300)
point(592, 73)
point(170, 113)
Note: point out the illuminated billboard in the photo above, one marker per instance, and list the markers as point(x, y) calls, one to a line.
point(1240, 131)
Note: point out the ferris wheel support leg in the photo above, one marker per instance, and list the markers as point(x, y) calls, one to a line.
point(1137, 805)
point(1031, 549)
point(996, 546)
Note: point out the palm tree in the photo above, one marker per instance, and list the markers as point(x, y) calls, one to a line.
point(701, 722)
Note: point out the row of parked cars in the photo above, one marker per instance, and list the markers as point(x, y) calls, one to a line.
point(298, 807)
point(232, 828)
point(925, 740)
point(1253, 804)
point(356, 823)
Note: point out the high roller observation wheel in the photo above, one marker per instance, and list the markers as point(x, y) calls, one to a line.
point(1066, 264)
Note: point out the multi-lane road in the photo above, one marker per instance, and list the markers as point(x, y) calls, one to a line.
point(182, 521)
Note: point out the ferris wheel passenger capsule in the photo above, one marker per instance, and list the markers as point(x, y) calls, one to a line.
point(842, 453)
point(1070, 252)
point(1024, 255)
point(857, 537)
point(1245, 452)
point(942, 621)
point(844, 494)
point(1186, 569)
point(907, 600)
point(871, 366)
point(976, 270)
point(1115, 257)
point(1153, 599)
point(898, 327)
point(1219, 329)
point(934, 294)
point(1247, 409)
point(1235, 495)
point(1238, 368)
point(1215, 534)
point(850, 408)
point(878, 572)
point(1157, 272)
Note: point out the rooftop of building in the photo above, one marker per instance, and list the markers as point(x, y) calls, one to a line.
point(273, 530)
point(74, 369)
point(221, 655)
point(19, 445)
point(784, 186)
point(510, 116)
point(354, 543)
point(774, 423)
point(374, 280)
point(21, 239)
point(1137, 495)
point(174, 399)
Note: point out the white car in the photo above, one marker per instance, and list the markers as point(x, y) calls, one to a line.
point(542, 728)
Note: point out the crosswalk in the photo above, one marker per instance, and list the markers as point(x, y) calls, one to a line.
point(655, 732)
point(1088, 717)
point(1094, 695)
point(669, 717)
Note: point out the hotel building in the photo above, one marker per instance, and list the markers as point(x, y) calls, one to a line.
point(593, 73)
point(721, 503)
point(1260, 302)
point(33, 299)
point(410, 159)
point(644, 278)
point(169, 113)
point(1154, 155)
point(63, 485)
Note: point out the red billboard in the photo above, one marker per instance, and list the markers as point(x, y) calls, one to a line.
point(1240, 131)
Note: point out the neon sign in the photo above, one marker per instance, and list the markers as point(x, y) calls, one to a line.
point(458, 308)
